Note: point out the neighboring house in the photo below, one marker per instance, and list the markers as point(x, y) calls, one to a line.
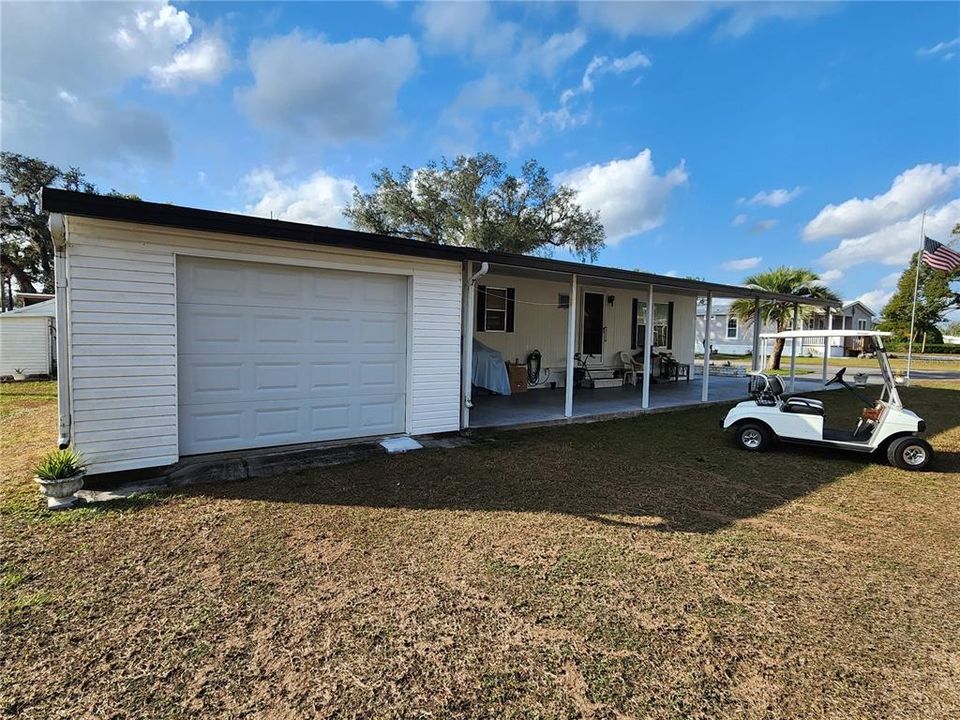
point(729, 334)
point(732, 336)
point(193, 332)
point(951, 339)
point(27, 339)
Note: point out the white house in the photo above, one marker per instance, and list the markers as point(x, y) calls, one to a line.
point(27, 339)
point(185, 331)
point(733, 336)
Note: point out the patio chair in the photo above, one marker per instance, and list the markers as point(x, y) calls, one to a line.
point(632, 369)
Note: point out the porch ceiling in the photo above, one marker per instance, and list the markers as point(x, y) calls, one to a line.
point(561, 271)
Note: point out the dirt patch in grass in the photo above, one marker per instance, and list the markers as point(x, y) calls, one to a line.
point(609, 570)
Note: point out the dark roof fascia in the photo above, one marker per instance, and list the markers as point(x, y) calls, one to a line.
point(106, 207)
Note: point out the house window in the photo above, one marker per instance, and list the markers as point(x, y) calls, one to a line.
point(563, 300)
point(733, 329)
point(662, 324)
point(861, 324)
point(496, 310)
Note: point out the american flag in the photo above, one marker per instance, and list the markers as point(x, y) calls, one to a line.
point(939, 256)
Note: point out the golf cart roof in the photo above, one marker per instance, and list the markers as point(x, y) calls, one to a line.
point(787, 334)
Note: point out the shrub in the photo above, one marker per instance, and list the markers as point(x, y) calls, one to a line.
point(59, 464)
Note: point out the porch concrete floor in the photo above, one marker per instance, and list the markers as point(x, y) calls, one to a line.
point(536, 406)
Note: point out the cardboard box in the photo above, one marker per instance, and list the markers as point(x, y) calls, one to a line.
point(518, 377)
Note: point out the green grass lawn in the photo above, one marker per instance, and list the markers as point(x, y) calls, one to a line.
point(640, 568)
point(899, 362)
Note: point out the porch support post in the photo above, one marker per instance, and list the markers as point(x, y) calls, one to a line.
point(705, 391)
point(793, 349)
point(648, 350)
point(571, 348)
point(756, 364)
point(466, 351)
point(826, 344)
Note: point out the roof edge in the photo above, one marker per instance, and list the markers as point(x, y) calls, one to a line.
point(104, 207)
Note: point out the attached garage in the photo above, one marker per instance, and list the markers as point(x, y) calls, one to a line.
point(192, 332)
point(272, 355)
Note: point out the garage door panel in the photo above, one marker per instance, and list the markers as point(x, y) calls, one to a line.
point(383, 293)
point(208, 379)
point(210, 282)
point(233, 426)
point(272, 329)
point(298, 355)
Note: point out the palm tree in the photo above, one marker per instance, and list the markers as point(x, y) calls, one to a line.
point(800, 282)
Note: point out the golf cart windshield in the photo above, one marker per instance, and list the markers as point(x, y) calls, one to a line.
point(889, 394)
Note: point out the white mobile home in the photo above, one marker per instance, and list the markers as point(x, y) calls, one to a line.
point(733, 336)
point(185, 332)
point(27, 339)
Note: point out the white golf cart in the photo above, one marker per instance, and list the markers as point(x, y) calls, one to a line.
point(885, 426)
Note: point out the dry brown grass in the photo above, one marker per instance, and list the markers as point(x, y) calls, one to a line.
point(604, 571)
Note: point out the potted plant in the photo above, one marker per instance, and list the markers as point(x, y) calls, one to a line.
point(60, 474)
point(19, 374)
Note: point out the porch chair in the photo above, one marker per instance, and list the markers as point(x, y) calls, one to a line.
point(632, 369)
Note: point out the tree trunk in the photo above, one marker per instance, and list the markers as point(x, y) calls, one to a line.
point(23, 280)
point(777, 353)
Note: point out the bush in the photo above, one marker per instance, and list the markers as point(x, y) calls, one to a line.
point(59, 464)
point(931, 349)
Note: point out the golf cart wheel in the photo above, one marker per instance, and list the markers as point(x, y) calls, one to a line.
point(910, 453)
point(753, 437)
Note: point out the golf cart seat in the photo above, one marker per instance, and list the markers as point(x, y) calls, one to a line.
point(773, 388)
point(803, 406)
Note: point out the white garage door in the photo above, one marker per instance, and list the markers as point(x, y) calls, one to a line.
point(272, 355)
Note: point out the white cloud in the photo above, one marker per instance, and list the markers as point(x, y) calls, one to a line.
point(645, 18)
point(832, 275)
point(549, 55)
point(764, 225)
point(742, 264)
point(876, 299)
point(895, 243)
point(774, 198)
point(739, 220)
point(745, 16)
point(318, 200)
point(472, 29)
point(911, 191)
point(64, 66)
point(204, 61)
point(465, 27)
point(601, 65)
point(630, 197)
point(570, 112)
point(946, 50)
point(669, 18)
point(332, 91)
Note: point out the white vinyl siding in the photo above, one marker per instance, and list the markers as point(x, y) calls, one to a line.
point(25, 344)
point(539, 324)
point(123, 325)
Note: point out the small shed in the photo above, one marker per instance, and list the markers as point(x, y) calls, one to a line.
point(27, 337)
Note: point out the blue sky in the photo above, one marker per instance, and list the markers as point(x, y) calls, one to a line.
point(714, 139)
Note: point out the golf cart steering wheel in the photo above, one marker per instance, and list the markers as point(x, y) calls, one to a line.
point(838, 378)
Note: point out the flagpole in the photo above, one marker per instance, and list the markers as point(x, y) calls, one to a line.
point(916, 287)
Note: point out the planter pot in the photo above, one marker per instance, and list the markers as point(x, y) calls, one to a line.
point(60, 493)
point(860, 379)
point(19, 376)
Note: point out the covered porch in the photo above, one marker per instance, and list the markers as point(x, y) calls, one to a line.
point(615, 328)
point(548, 405)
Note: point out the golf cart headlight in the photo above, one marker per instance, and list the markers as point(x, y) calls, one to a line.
point(921, 426)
